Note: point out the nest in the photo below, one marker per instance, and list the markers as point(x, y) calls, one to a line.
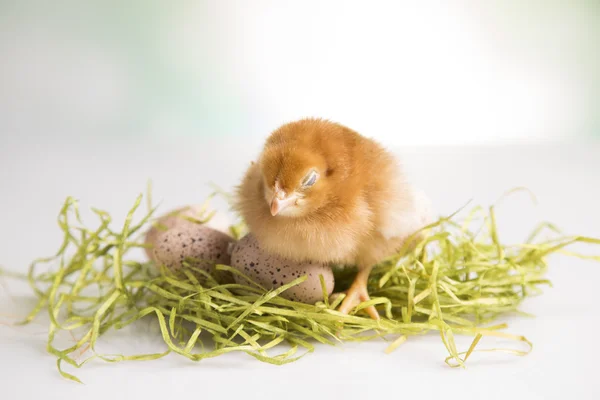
point(459, 279)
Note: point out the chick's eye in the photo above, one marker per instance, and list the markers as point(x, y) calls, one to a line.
point(310, 179)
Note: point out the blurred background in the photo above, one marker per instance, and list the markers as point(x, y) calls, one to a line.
point(405, 72)
point(97, 97)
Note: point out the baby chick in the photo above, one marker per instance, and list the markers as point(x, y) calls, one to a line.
point(321, 192)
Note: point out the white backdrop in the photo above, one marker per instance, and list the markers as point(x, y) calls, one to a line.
point(96, 97)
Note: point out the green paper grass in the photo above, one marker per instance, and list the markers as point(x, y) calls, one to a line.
point(458, 280)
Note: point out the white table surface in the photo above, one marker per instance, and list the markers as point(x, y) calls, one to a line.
point(37, 175)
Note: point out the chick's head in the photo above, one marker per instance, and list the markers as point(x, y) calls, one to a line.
point(295, 180)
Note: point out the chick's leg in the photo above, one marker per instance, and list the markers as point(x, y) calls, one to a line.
point(358, 293)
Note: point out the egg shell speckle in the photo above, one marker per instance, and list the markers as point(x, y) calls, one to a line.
point(272, 272)
point(174, 240)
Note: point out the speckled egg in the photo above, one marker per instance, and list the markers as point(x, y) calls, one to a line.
point(174, 239)
point(272, 272)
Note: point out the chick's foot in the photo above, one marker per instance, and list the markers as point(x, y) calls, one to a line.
point(357, 294)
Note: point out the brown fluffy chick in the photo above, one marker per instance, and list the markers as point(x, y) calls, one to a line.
point(324, 193)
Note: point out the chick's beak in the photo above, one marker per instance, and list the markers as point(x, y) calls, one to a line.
point(281, 202)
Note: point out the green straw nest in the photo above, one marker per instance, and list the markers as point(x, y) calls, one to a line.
point(458, 280)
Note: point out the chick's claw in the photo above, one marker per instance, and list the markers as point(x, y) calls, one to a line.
point(354, 296)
